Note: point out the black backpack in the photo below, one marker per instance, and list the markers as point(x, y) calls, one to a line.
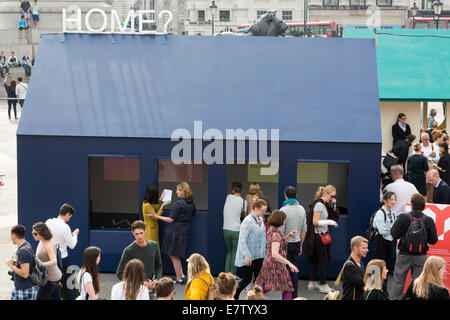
point(38, 272)
point(415, 239)
point(371, 232)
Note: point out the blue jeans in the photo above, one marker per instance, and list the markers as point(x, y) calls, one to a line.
point(27, 69)
point(3, 67)
point(49, 291)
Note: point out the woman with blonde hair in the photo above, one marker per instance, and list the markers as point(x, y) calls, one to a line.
point(429, 285)
point(132, 285)
point(175, 242)
point(256, 294)
point(199, 278)
point(322, 213)
point(254, 193)
point(374, 278)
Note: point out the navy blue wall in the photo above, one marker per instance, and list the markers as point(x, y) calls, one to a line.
point(54, 170)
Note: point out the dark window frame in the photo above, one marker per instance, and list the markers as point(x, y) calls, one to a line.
point(260, 15)
point(90, 156)
point(201, 19)
point(223, 19)
point(288, 13)
point(331, 5)
point(357, 5)
point(384, 5)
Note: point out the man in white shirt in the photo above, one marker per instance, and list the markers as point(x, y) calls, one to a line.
point(63, 238)
point(21, 91)
point(403, 190)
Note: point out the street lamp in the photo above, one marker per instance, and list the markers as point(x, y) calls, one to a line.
point(414, 11)
point(213, 9)
point(437, 7)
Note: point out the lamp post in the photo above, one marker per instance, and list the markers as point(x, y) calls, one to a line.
point(437, 7)
point(305, 17)
point(213, 9)
point(414, 11)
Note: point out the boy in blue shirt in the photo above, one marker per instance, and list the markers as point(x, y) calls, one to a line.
point(26, 64)
point(22, 25)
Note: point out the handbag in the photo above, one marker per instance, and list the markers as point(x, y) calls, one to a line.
point(389, 160)
point(39, 273)
point(325, 237)
point(335, 294)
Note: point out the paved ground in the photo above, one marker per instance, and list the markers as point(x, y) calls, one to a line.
point(8, 218)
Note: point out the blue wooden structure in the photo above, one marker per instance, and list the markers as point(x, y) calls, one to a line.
point(123, 95)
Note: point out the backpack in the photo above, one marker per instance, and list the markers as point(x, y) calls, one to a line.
point(212, 288)
point(39, 273)
point(371, 232)
point(86, 297)
point(415, 239)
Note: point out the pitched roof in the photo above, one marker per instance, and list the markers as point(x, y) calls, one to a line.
point(146, 86)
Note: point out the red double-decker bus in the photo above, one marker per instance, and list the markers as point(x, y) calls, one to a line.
point(325, 29)
point(428, 23)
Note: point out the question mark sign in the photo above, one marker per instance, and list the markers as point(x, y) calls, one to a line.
point(168, 21)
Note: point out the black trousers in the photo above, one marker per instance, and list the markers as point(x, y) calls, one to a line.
point(385, 250)
point(247, 275)
point(292, 255)
point(49, 291)
point(12, 103)
point(320, 260)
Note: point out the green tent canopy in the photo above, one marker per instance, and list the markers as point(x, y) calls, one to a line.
point(413, 65)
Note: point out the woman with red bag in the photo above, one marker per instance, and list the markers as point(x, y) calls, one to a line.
point(323, 213)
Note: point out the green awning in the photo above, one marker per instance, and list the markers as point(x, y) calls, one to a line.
point(413, 65)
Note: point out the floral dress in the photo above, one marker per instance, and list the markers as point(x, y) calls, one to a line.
point(274, 276)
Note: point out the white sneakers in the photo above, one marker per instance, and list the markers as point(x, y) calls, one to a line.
point(325, 289)
point(313, 285)
point(316, 286)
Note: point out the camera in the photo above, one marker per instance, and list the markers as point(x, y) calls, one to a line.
point(11, 274)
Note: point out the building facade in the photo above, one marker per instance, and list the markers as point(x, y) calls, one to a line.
point(232, 13)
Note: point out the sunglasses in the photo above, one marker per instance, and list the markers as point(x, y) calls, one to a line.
point(34, 233)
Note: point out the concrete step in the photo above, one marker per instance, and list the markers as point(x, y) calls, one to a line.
point(48, 20)
point(19, 49)
point(11, 36)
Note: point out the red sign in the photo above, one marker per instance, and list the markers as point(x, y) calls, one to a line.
point(441, 216)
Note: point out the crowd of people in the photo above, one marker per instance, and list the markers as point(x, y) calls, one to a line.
point(428, 167)
point(263, 246)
